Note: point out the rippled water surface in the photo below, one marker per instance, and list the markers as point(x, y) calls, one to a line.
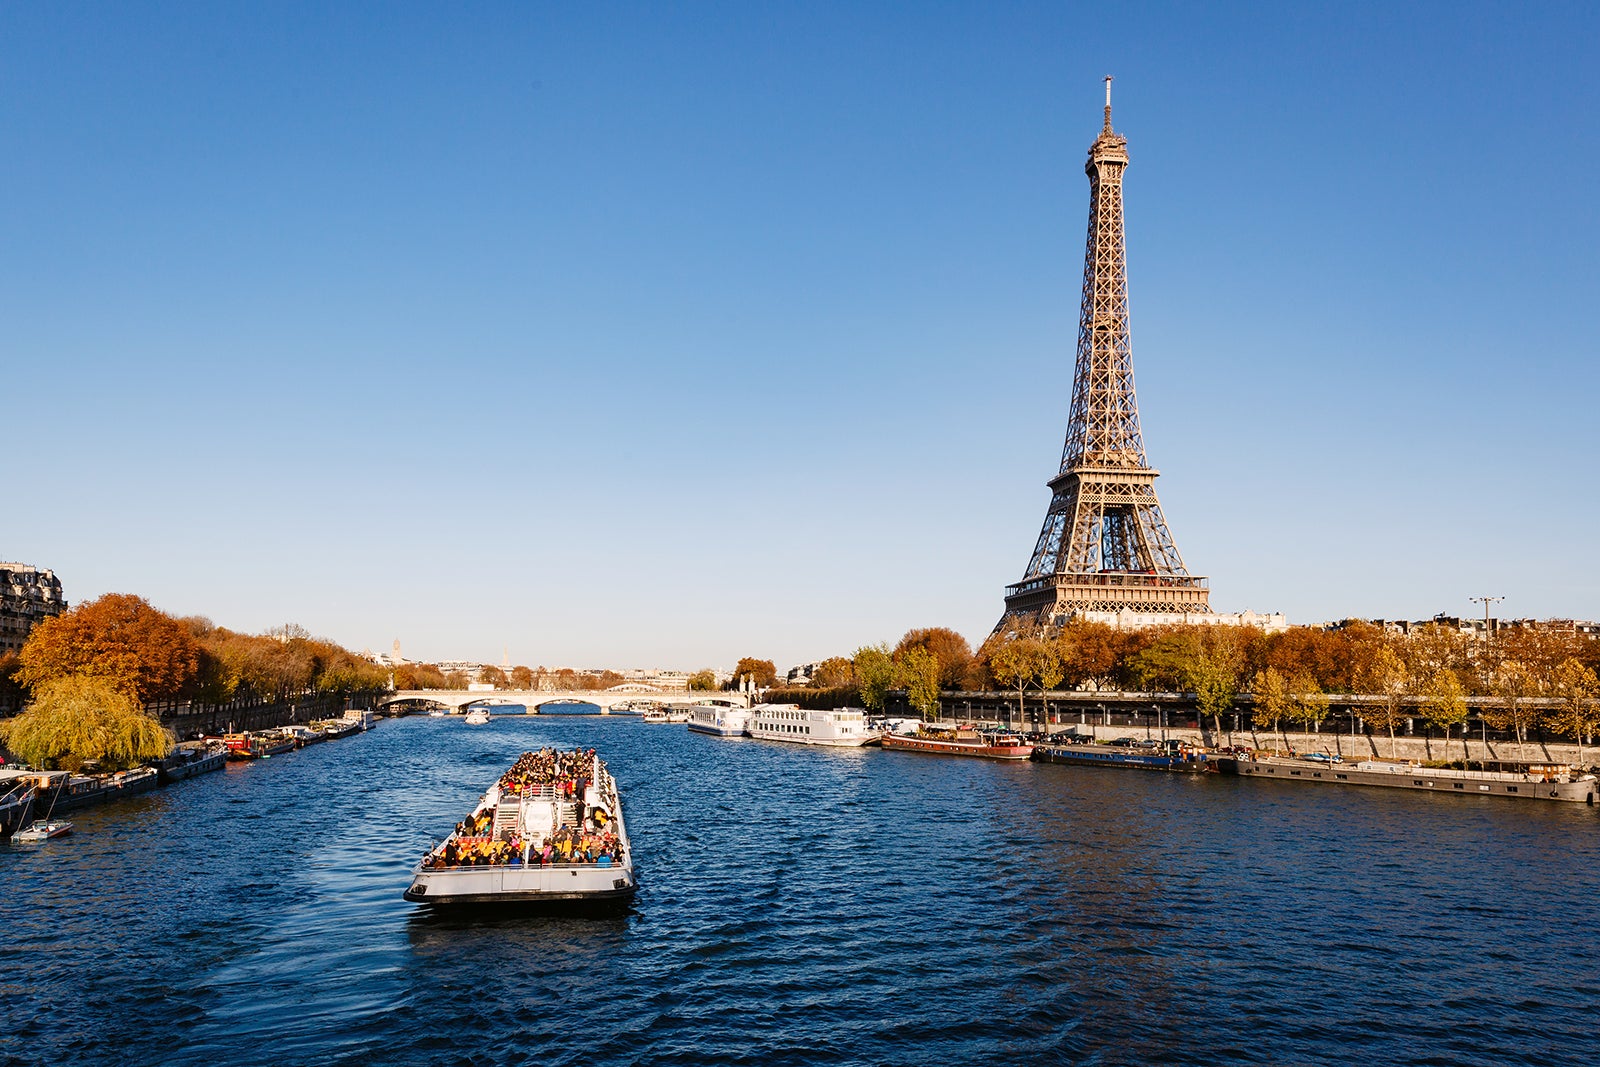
point(806, 906)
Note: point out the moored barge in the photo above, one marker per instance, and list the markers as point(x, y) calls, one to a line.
point(1172, 756)
point(941, 740)
point(1547, 782)
point(190, 758)
point(536, 840)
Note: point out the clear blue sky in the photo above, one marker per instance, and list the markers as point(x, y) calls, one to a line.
point(666, 334)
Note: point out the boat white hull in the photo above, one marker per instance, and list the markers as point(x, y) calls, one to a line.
point(825, 742)
point(717, 731)
point(521, 885)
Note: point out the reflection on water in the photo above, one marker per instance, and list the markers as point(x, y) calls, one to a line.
point(804, 906)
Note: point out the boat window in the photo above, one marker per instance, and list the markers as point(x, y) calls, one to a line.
point(1458, 785)
point(1511, 789)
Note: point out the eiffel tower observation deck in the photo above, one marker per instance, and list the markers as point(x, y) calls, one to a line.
point(1105, 547)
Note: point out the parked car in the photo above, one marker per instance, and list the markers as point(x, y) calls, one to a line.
point(1321, 757)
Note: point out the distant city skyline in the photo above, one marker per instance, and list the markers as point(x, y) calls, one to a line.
point(671, 336)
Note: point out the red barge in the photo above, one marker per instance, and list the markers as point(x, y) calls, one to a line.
point(960, 741)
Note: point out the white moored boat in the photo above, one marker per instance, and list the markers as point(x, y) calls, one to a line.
point(661, 715)
point(43, 830)
point(477, 717)
point(719, 720)
point(549, 832)
point(840, 728)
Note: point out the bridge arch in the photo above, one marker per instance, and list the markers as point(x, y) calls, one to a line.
point(604, 699)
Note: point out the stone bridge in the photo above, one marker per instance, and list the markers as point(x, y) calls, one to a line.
point(534, 699)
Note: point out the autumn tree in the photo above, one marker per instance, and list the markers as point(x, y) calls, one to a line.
point(917, 672)
point(81, 718)
point(419, 676)
point(1019, 662)
point(1515, 686)
point(1169, 662)
point(1270, 690)
point(949, 649)
point(494, 676)
point(1215, 687)
point(1577, 687)
point(703, 681)
point(521, 678)
point(835, 672)
point(117, 637)
point(1445, 706)
point(875, 668)
point(1089, 653)
point(760, 671)
point(1308, 704)
point(1388, 677)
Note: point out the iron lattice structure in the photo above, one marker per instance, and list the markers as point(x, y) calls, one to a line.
point(1105, 546)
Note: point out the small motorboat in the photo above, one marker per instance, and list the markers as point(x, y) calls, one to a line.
point(477, 717)
point(43, 830)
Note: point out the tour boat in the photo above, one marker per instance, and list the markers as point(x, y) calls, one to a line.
point(840, 728)
point(661, 715)
point(949, 740)
point(477, 717)
point(1156, 756)
point(719, 720)
point(534, 816)
point(43, 830)
point(1529, 781)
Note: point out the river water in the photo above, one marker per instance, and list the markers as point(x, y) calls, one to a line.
point(806, 906)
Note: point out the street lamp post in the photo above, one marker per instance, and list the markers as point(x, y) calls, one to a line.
point(1486, 601)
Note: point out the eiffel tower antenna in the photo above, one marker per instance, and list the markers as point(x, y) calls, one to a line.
point(1105, 547)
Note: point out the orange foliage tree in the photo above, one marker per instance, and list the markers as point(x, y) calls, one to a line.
point(950, 652)
point(119, 638)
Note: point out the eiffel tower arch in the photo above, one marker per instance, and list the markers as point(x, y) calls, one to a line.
point(1105, 547)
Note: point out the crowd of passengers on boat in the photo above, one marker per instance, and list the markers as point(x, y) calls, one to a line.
point(566, 845)
point(591, 840)
point(567, 771)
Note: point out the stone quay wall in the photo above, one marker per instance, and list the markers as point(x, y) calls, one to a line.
point(187, 718)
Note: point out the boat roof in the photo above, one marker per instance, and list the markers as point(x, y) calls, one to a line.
point(11, 774)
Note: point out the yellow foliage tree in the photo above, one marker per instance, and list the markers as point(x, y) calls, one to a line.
point(78, 719)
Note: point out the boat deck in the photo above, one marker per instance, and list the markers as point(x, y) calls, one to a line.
point(534, 841)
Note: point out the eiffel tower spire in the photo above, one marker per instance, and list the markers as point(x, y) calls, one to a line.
point(1105, 546)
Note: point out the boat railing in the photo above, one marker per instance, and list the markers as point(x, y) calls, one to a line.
point(1456, 773)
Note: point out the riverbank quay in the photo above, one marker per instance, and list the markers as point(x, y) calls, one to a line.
point(1131, 710)
point(60, 792)
point(1345, 746)
point(201, 928)
point(187, 718)
point(1150, 716)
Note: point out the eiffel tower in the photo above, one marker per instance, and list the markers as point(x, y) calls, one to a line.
point(1105, 547)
